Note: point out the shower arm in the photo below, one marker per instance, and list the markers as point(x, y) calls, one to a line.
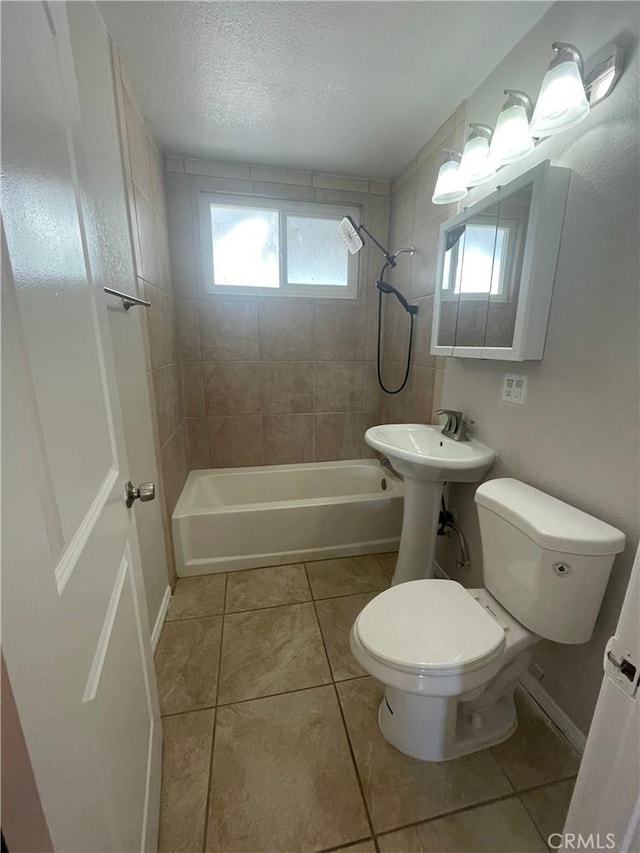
point(389, 256)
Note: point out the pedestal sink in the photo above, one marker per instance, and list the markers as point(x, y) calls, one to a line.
point(426, 458)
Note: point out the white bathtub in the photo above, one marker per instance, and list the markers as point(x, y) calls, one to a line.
point(242, 518)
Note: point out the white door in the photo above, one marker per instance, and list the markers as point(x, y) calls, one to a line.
point(605, 808)
point(75, 630)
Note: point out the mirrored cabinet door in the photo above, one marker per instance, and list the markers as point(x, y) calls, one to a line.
point(496, 265)
point(511, 231)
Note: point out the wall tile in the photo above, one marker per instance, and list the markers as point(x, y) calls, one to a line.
point(206, 183)
point(339, 331)
point(341, 436)
point(188, 330)
point(197, 443)
point(338, 386)
point(402, 210)
point(370, 387)
point(287, 387)
point(422, 275)
point(171, 468)
point(150, 268)
point(277, 175)
point(229, 329)
point(193, 389)
point(336, 196)
point(421, 354)
point(168, 400)
point(287, 439)
point(285, 330)
point(380, 187)
point(235, 441)
point(138, 143)
point(337, 182)
point(160, 327)
point(173, 164)
point(232, 387)
point(289, 191)
point(217, 168)
point(438, 383)
point(179, 216)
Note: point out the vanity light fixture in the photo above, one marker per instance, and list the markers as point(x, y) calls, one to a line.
point(477, 166)
point(562, 102)
point(450, 185)
point(512, 139)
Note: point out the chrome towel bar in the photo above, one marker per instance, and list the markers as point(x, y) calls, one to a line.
point(127, 301)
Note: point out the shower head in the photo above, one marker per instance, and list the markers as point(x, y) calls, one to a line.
point(350, 234)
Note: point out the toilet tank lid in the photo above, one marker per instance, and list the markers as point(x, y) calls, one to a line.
point(551, 523)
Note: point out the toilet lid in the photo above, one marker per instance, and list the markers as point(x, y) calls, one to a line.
point(429, 624)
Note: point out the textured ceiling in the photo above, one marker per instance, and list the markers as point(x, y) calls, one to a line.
point(347, 87)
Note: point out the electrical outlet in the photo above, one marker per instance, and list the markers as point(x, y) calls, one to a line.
point(514, 389)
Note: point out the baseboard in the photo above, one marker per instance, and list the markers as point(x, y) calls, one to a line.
point(555, 713)
point(162, 613)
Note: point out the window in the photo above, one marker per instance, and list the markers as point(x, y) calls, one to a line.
point(260, 245)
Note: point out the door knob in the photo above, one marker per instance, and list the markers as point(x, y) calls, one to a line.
point(145, 491)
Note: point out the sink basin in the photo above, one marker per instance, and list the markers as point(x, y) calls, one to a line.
point(422, 451)
point(426, 459)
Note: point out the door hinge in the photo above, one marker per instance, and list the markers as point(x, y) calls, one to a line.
point(621, 667)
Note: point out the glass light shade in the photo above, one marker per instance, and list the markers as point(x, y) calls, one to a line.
point(476, 165)
point(562, 102)
point(449, 187)
point(511, 139)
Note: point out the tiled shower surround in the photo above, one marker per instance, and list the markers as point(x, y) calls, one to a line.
point(272, 380)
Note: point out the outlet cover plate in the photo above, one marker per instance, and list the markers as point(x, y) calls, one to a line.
point(514, 389)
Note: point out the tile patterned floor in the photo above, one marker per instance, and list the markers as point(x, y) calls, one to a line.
point(271, 742)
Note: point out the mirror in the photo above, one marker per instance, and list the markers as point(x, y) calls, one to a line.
point(513, 219)
point(496, 261)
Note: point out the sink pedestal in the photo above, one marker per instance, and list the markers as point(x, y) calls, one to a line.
point(419, 530)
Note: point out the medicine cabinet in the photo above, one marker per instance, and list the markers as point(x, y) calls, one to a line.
point(496, 267)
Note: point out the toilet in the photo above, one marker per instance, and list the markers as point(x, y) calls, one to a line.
point(450, 657)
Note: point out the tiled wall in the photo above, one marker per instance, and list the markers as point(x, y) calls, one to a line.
point(144, 175)
point(414, 220)
point(266, 379)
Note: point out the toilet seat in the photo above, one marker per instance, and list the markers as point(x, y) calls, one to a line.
point(429, 627)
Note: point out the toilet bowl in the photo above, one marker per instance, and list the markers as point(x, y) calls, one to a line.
point(450, 657)
point(446, 664)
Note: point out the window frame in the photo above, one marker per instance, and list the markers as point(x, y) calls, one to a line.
point(284, 207)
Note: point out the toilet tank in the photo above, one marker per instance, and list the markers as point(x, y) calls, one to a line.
point(545, 561)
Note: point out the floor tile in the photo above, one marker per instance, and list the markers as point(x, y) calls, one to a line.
point(548, 806)
point(388, 562)
point(535, 753)
point(270, 651)
point(402, 790)
point(348, 575)
point(186, 758)
point(255, 588)
point(282, 776)
point(502, 827)
point(360, 847)
point(201, 596)
point(336, 616)
point(187, 664)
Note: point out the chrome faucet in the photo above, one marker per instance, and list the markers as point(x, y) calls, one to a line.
point(456, 426)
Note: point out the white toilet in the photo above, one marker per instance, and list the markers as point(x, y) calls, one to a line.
point(450, 657)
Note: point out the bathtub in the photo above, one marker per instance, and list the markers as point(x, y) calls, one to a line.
point(243, 518)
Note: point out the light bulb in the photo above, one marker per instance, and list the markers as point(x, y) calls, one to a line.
point(512, 139)
point(477, 166)
point(562, 102)
point(449, 187)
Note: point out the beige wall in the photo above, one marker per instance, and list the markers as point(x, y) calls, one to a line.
point(577, 437)
point(268, 379)
point(415, 221)
point(148, 216)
